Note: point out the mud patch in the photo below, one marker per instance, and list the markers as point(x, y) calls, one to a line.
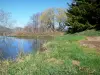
point(91, 42)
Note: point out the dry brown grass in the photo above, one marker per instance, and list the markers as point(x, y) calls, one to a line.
point(76, 63)
point(91, 42)
point(23, 33)
point(55, 61)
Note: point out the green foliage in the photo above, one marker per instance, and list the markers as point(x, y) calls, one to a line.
point(85, 14)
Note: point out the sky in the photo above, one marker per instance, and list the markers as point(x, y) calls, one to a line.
point(21, 10)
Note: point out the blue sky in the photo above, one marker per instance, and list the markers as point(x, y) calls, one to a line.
point(22, 9)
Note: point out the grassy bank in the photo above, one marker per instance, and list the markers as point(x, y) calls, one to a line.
point(63, 56)
point(92, 32)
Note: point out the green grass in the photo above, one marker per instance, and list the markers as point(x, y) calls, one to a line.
point(56, 60)
point(89, 33)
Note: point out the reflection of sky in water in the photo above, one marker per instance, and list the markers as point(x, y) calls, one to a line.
point(9, 47)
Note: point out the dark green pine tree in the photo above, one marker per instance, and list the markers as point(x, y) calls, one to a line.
point(84, 14)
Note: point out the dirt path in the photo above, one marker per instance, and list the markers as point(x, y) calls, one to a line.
point(92, 42)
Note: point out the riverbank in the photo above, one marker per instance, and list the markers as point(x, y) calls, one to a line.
point(63, 56)
point(29, 35)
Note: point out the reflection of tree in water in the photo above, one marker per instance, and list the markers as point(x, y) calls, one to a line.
point(33, 45)
point(37, 43)
point(5, 43)
point(11, 47)
point(6, 40)
point(20, 49)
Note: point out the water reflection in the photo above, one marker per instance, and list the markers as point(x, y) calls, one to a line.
point(10, 47)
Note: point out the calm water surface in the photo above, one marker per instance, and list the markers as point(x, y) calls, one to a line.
point(10, 47)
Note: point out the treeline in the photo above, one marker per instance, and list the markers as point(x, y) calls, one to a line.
point(83, 15)
point(50, 20)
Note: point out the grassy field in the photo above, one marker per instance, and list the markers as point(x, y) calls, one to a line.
point(63, 56)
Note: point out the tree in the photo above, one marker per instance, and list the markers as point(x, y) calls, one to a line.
point(61, 18)
point(84, 14)
point(47, 19)
point(5, 21)
point(34, 23)
point(5, 18)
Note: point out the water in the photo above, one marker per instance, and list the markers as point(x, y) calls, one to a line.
point(10, 47)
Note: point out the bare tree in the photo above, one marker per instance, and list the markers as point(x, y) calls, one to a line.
point(5, 18)
point(28, 28)
point(35, 22)
point(5, 21)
